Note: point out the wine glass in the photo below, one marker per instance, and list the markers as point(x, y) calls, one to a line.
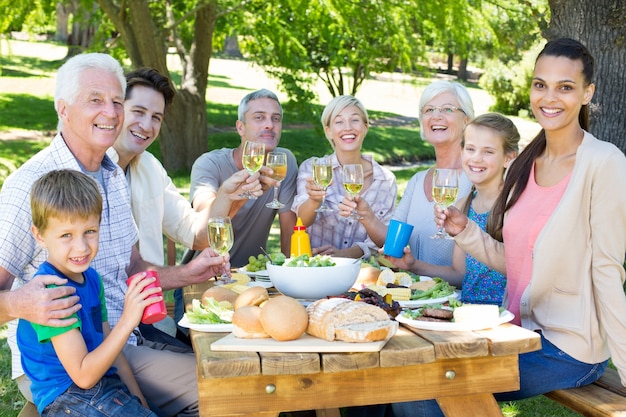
point(323, 176)
point(445, 190)
point(278, 162)
point(353, 182)
point(221, 238)
point(252, 160)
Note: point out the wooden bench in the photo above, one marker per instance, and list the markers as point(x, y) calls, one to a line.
point(29, 410)
point(605, 397)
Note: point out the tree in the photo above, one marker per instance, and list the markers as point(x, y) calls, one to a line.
point(340, 42)
point(601, 26)
point(145, 27)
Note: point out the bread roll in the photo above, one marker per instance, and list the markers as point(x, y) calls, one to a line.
point(284, 318)
point(326, 316)
point(220, 293)
point(254, 296)
point(247, 323)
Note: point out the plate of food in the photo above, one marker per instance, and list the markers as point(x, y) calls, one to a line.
point(426, 301)
point(467, 317)
point(429, 290)
point(210, 327)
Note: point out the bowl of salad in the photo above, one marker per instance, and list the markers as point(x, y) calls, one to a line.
point(314, 277)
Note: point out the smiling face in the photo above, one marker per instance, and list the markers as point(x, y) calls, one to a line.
point(262, 123)
point(72, 243)
point(440, 127)
point(347, 130)
point(558, 92)
point(94, 120)
point(483, 156)
point(144, 110)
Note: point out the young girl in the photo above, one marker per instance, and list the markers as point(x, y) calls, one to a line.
point(560, 236)
point(489, 143)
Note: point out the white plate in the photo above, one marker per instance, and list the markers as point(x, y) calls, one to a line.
point(262, 273)
point(419, 303)
point(212, 328)
point(505, 317)
point(259, 283)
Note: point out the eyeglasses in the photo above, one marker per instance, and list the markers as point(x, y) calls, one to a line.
point(446, 110)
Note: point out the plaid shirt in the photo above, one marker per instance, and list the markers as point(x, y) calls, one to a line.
point(330, 228)
point(21, 256)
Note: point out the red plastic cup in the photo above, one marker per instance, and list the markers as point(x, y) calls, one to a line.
point(157, 311)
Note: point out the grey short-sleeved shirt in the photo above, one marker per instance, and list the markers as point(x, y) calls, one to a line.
point(253, 221)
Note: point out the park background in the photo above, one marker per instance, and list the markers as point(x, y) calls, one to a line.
point(307, 51)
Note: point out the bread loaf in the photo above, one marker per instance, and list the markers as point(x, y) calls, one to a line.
point(343, 319)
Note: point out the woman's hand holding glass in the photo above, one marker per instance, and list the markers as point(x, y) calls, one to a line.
point(323, 177)
point(277, 161)
point(252, 159)
point(221, 239)
point(353, 183)
point(444, 190)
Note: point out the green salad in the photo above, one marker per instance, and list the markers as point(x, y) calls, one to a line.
point(213, 312)
point(310, 261)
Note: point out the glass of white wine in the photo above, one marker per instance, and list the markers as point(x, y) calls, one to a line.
point(353, 182)
point(278, 162)
point(252, 159)
point(445, 190)
point(323, 176)
point(221, 239)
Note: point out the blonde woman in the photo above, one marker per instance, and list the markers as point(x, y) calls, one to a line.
point(346, 124)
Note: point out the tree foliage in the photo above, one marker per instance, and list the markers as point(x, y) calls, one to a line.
point(339, 42)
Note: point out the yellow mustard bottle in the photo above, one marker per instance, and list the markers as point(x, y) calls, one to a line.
point(300, 242)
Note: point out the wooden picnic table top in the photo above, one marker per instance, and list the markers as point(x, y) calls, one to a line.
point(461, 369)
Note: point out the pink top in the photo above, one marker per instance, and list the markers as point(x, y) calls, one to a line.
point(524, 222)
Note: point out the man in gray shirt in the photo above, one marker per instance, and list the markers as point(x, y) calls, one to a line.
point(218, 179)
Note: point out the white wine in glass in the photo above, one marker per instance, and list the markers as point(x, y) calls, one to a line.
point(445, 191)
point(221, 238)
point(353, 183)
point(278, 162)
point(252, 159)
point(323, 176)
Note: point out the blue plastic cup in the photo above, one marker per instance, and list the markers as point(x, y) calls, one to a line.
point(398, 234)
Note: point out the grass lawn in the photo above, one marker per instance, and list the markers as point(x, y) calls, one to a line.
point(31, 109)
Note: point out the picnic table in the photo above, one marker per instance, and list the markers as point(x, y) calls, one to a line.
point(460, 369)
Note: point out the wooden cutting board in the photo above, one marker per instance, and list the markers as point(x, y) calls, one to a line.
point(305, 343)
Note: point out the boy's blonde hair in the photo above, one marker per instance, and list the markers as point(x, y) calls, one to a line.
point(64, 194)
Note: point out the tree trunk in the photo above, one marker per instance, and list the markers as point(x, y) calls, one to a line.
point(184, 133)
point(63, 18)
point(462, 75)
point(450, 69)
point(600, 25)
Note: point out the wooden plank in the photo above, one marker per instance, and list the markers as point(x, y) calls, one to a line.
point(507, 339)
point(406, 348)
point(29, 410)
point(455, 344)
point(610, 381)
point(452, 377)
point(305, 343)
point(458, 406)
point(590, 400)
point(222, 364)
point(341, 362)
point(289, 363)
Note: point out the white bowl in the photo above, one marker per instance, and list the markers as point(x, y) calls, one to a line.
point(315, 282)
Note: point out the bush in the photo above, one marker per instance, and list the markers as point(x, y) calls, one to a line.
point(509, 84)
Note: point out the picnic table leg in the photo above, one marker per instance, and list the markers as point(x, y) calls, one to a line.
point(328, 412)
point(470, 405)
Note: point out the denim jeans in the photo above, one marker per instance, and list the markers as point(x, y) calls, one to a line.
point(109, 397)
point(541, 371)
